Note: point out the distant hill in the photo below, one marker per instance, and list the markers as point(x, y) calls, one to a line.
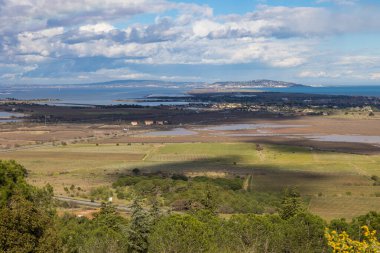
point(226, 84)
point(189, 84)
point(256, 84)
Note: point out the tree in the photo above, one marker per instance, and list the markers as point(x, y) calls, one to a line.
point(27, 217)
point(108, 217)
point(371, 220)
point(291, 204)
point(139, 229)
point(26, 227)
point(304, 232)
point(180, 233)
point(209, 200)
point(74, 232)
point(106, 233)
point(255, 233)
point(339, 225)
point(155, 212)
point(12, 180)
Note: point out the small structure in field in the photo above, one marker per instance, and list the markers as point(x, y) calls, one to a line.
point(134, 123)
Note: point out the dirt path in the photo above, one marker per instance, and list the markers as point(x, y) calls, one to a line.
point(262, 156)
point(247, 184)
point(360, 170)
point(151, 151)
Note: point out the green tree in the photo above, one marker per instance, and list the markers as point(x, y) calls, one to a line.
point(74, 232)
point(139, 229)
point(109, 232)
point(25, 227)
point(155, 212)
point(106, 233)
point(371, 220)
point(180, 234)
point(291, 204)
point(12, 181)
point(339, 225)
point(255, 233)
point(304, 232)
point(108, 217)
point(27, 216)
point(209, 201)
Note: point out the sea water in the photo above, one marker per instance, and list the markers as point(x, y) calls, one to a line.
point(110, 95)
point(90, 95)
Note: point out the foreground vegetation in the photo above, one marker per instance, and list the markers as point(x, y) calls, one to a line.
point(29, 223)
point(230, 194)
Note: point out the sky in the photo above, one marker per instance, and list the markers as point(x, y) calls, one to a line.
point(314, 42)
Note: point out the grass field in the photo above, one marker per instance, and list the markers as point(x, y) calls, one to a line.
point(338, 184)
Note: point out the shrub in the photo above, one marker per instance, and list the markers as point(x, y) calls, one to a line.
point(227, 183)
point(179, 177)
point(136, 171)
point(181, 233)
point(101, 193)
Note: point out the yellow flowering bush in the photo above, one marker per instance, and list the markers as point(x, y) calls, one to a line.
point(342, 243)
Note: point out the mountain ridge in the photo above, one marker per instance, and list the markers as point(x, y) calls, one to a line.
point(260, 83)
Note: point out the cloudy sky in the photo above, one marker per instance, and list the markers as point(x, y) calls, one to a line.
point(329, 42)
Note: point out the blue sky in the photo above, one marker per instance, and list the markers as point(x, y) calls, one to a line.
point(317, 42)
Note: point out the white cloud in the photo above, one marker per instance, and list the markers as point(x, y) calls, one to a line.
point(203, 28)
point(36, 14)
point(366, 61)
point(375, 76)
point(14, 71)
point(317, 74)
point(110, 49)
point(9, 76)
point(122, 73)
point(339, 2)
point(227, 51)
point(34, 32)
point(284, 22)
point(345, 74)
point(30, 58)
point(97, 28)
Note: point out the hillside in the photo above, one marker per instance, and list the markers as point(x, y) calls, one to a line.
point(256, 84)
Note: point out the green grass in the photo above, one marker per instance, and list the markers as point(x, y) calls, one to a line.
point(275, 167)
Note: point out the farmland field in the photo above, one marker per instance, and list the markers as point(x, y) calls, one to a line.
point(332, 182)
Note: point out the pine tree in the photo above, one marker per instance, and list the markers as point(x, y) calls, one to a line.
point(140, 228)
point(155, 212)
point(209, 201)
point(291, 204)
